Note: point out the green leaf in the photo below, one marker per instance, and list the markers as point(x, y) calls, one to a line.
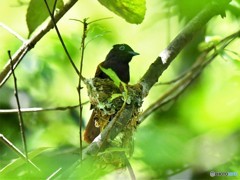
point(132, 11)
point(14, 164)
point(37, 12)
point(210, 41)
point(112, 75)
point(114, 96)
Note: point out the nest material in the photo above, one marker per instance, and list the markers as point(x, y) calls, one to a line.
point(107, 99)
point(100, 92)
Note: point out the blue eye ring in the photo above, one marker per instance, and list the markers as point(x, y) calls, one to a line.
point(122, 48)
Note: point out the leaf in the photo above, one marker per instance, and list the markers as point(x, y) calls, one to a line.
point(14, 164)
point(114, 96)
point(210, 41)
point(112, 75)
point(37, 12)
point(132, 11)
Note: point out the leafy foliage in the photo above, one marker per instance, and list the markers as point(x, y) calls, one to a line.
point(112, 75)
point(16, 163)
point(132, 11)
point(37, 12)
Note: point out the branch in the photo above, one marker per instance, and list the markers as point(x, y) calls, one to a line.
point(174, 48)
point(20, 117)
point(59, 36)
point(29, 44)
point(13, 32)
point(111, 131)
point(189, 76)
point(174, 92)
point(39, 109)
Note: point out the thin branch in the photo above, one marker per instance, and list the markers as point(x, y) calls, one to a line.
point(129, 167)
point(84, 35)
point(29, 44)
point(60, 38)
point(11, 31)
point(54, 174)
point(20, 118)
point(54, 7)
point(173, 80)
point(39, 109)
point(91, 21)
point(74, 66)
point(97, 36)
point(17, 151)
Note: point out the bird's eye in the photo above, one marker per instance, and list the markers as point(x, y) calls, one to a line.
point(122, 48)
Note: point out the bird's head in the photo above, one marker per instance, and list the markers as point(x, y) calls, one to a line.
point(122, 52)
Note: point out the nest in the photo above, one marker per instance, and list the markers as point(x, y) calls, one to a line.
point(107, 99)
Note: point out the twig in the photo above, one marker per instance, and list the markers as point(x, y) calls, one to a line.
point(54, 7)
point(97, 36)
point(54, 174)
point(91, 21)
point(74, 66)
point(84, 35)
point(129, 167)
point(171, 81)
point(13, 32)
point(39, 109)
point(29, 44)
point(17, 151)
point(60, 38)
point(20, 118)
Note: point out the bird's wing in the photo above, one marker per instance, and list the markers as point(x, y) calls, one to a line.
point(99, 71)
point(91, 130)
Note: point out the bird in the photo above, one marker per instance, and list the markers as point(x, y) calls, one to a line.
point(118, 60)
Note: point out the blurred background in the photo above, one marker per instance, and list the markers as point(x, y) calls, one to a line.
point(196, 134)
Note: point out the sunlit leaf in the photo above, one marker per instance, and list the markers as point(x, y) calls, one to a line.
point(132, 11)
point(14, 164)
point(114, 96)
point(112, 75)
point(210, 41)
point(37, 12)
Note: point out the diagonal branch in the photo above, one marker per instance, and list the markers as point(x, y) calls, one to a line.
point(29, 44)
point(188, 78)
point(59, 36)
point(183, 38)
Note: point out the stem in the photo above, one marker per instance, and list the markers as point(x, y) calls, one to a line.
point(39, 109)
point(20, 118)
point(60, 38)
point(85, 24)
